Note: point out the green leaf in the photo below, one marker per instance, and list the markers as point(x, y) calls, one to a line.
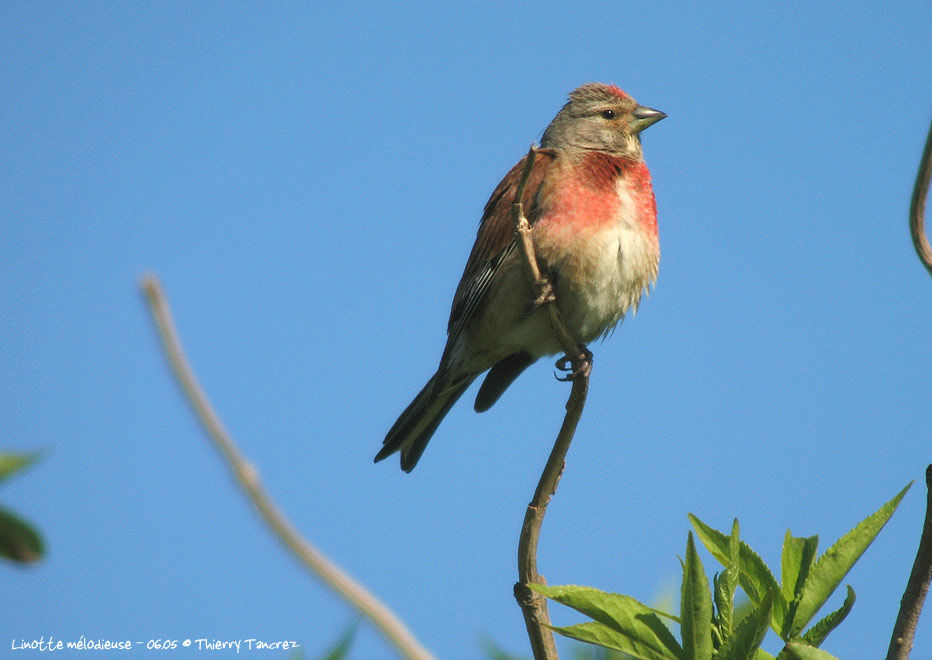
point(761, 654)
point(733, 569)
point(14, 462)
point(597, 633)
point(19, 541)
point(797, 650)
point(725, 583)
point(749, 633)
point(830, 569)
point(695, 607)
point(798, 555)
point(755, 578)
point(623, 614)
point(341, 649)
point(817, 634)
point(724, 618)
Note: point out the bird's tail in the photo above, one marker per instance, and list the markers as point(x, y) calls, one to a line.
point(420, 419)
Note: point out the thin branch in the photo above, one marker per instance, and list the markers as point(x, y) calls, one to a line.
point(917, 587)
point(534, 605)
point(918, 204)
point(545, 296)
point(248, 479)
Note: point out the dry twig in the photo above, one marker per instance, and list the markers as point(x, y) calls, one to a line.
point(248, 479)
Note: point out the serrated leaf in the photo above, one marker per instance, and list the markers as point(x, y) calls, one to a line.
point(19, 541)
point(341, 649)
point(597, 633)
point(621, 613)
point(749, 633)
point(830, 569)
point(797, 557)
point(797, 650)
point(817, 634)
point(11, 462)
point(695, 607)
point(754, 576)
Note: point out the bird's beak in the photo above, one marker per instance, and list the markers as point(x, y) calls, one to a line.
point(644, 117)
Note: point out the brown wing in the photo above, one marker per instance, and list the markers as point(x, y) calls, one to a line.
point(495, 239)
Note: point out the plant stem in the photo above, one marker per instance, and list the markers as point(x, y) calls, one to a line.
point(918, 204)
point(247, 478)
point(534, 605)
point(917, 587)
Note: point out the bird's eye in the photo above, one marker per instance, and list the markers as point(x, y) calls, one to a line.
point(608, 114)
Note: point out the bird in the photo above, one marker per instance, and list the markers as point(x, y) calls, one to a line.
point(593, 217)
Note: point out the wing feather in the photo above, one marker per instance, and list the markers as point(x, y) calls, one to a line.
point(495, 239)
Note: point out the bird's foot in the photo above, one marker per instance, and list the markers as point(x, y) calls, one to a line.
point(579, 365)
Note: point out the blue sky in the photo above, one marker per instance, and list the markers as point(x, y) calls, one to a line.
point(307, 183)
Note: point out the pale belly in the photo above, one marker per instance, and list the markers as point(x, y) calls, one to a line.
point(597, 281)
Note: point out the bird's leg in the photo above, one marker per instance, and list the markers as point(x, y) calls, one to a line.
point(578, 365)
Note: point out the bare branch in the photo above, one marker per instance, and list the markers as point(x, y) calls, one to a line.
point(534, 605)
point(918, 204)
point(917, 587)
point(542, 286)
point(248, 479)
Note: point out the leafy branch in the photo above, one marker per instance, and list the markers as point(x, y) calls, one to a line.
point(710, 628)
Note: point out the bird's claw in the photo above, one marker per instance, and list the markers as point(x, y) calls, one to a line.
point(580, 365)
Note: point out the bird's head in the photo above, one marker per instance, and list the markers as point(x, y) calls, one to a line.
point(600, 117)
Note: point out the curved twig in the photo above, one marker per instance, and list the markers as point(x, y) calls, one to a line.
point(248, 479)
point(918, 204)
point(534, 605)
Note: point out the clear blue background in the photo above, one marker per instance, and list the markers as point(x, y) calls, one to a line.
point(307, 183)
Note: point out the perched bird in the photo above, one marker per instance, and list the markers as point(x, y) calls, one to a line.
point(594, 225)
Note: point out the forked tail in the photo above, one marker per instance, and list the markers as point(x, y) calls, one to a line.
point(414, 428)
